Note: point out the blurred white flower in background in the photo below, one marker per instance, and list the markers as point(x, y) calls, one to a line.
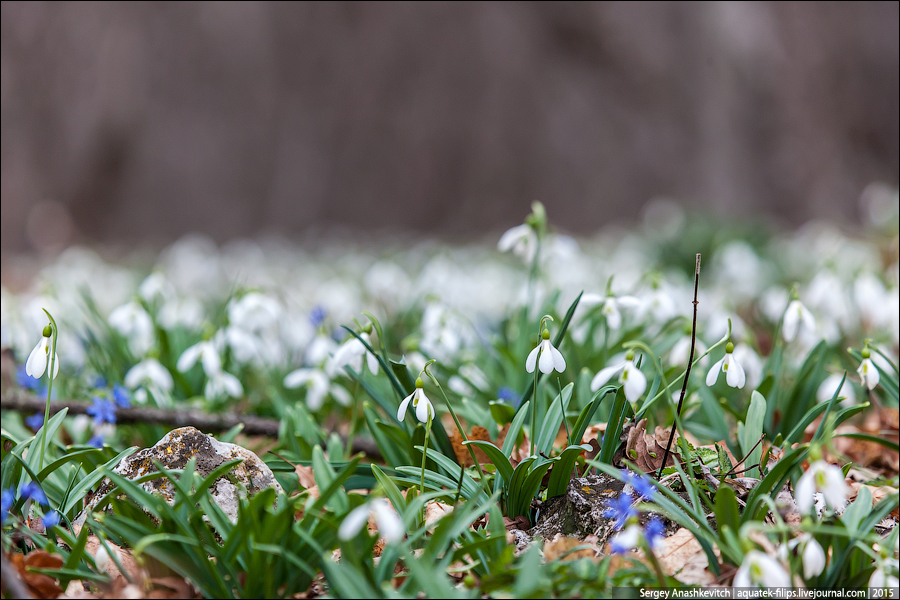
point(351, 354)
point(522, 240)
point(823, 478)
point(751, 362)
point(149, 378)
point(219, 382)
point(798, 321)
point(133, 323)
point(760, 569)
point(612, 306)
point(318, 387)
point(846, 395)
point(389, 525)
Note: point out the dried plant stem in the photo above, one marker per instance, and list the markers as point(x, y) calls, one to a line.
point(687, 373)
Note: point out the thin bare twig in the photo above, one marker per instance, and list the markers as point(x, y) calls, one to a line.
point(253, 425)
point(687, 373)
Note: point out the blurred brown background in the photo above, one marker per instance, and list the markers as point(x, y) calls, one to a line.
point(139, 122)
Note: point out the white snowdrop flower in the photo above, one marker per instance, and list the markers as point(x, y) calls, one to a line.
point(883, 577)
point(659, 303)
point(245, 347)
point(150, 378)
point(760, 569)
point(612, 306)
point(827, 389)
point(734, 373)
point(390, 527)
point(797, 321)
point(39, 357)
point(223, 384)
point(135, 325)
point(318, 387)
point(522, 240)
point(101, 559)
point(826, 479)
point(208, 355)
point(423, 406)
point(320, 349)
point(149, 372)
point(812, 556)
point(626, 540)
point(681, 351)
point(550, 357)
point(254, 312)
point(351, 354)
point(629, 375)
point(750, 361)
point(867, 371)
point(873, 300)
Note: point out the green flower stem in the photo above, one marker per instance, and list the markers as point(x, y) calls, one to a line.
point(424, 459)
point(654, 562)
point(460, 429)
point(534, 402)
point(52, 366)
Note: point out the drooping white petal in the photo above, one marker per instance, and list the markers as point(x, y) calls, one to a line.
point(512, 236)
point(605, 375)
point(295, 379)
point(791, 321)
point(546, 359)
point(759, 569)
point(613, 316)
point(813, 559)
point(868, 373)
point(559, 363)
point(635, 382)
point(37, 360)
point(401, 412)
point(372, 363)
point(353, 522)
point(341, 395)
point(805, 491)
point(424, 409)
point(734, 374)
point(532, 359)
point(714, 371)
point(389, 524)
point(189, 357)
point(626, 540)
point(835, 489)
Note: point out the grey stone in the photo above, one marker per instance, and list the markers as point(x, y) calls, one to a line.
point(174, 451)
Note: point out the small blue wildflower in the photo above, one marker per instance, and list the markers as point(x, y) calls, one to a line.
point(7, 499)
point(25, 380)
point(99, 382)
point(35, 421)
point(654, 531)
point(34, 492)
point(51, 519)
point(507, 394)
point(96, 441)
point(317, 315)
point(620, 509)
point(122, 396)
point(103, 410)
point(642, 485)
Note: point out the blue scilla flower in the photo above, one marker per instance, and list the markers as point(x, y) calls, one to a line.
point(25, 380)
point(620, 509)
point(34, 492)
point(317, 315)
point(122, 396)
point(96, 441)
point(654, 531)
point(507, 394)
point(103, 410)
point(7, 499)
point(642, 485)
point(35, 421)
point(51, 519)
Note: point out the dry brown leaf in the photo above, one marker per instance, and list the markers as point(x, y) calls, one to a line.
point(42, 586)
point(462, 451)
point(560, 545)
point(305, 475)
point(171, 587)
point(682, 557)
point(878, 493)
point(124, 556)
point(435, 511)
point(644, 450)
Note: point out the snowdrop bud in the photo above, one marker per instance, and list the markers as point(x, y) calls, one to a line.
point(101, 559)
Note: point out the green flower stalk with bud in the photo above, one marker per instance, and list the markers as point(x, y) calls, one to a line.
point(37, 364)
point(867, 370)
